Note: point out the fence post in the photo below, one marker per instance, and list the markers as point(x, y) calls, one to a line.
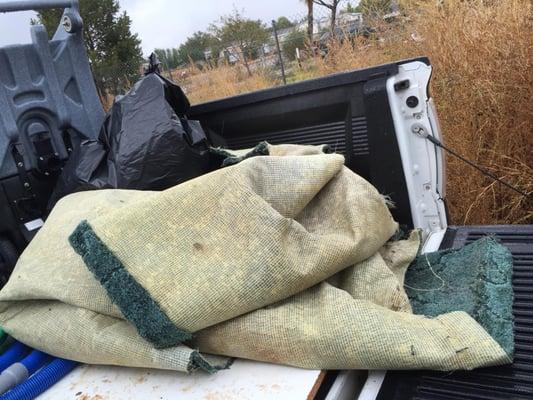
point(279, 52)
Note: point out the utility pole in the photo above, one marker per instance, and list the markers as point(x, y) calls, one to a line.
point(279, 52)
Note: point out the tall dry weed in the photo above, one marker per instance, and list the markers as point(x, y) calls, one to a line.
point(223, 81)
point(483, 84)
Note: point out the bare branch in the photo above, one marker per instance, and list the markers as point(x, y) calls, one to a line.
point(331, 5)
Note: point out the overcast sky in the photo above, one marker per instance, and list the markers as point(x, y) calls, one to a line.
point(166, 23)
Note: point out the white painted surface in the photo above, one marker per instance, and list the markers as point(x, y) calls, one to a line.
point(34, 224)
point(346, 385)
point(244, 380)
point(372, 385)
point(433, 241)
point(422, 162)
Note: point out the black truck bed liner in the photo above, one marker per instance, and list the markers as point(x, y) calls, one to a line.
point(513, 381)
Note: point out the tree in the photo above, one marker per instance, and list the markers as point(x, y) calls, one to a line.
point(115, 53)
point(170, 58)
point(332, 5)
point(241, 36)
point(195, 47)
point(375, 8)
point(295, 39)
point(310, 19)
point(350, 9)
point(283, 23)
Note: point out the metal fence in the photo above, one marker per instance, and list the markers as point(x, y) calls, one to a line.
point(296, 44)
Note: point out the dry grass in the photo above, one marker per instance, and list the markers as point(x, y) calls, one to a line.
point(224, 81)
point(482, 55)
point(483, 87)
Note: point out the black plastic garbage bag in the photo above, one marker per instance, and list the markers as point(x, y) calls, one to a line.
point(145, 143)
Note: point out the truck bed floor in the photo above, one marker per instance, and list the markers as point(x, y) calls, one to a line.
point(513, 381)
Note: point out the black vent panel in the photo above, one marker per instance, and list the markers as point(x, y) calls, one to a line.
point(360, 137)
point(513, 381)
point(332, 134)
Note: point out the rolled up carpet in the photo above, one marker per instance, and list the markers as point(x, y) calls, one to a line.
point(285, 258)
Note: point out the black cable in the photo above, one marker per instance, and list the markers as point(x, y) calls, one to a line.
point(436, 142)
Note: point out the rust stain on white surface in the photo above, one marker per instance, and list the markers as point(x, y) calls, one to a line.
point(244, 380)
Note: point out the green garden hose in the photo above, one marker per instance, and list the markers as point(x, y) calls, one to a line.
point(5, 341)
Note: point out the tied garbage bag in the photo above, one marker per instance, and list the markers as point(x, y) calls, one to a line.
point(285, 257)
point(145, 143)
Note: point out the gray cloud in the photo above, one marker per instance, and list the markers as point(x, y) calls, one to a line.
point(15, 28)
point(166, 23)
